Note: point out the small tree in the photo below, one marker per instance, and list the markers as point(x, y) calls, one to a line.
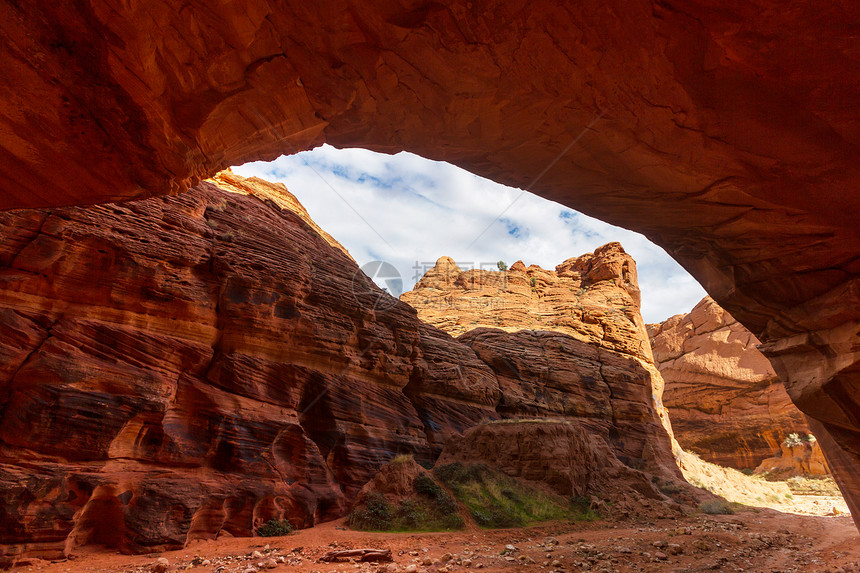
point(792, 440)
point(502, 266)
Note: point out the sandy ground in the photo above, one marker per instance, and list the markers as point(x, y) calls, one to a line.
point(755, 539)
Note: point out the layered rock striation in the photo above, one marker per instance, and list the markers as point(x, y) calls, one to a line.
point(188, 367)
point(727, 135)
point(725, 400)
point(567, 342)
point(798, 455)
point(594, 298)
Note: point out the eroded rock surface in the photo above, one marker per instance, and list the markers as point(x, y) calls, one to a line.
point(798, 455)
point(594, 298)
point(725, 401)
point(566, 342)
point(573, 461)
point(189, 367)
point(726, 134)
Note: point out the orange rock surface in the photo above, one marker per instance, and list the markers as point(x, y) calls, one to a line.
point(726, 133)
point(583, 317)
point(724, 399)
point(803, 457)
point(594, 298)
point(189, 367)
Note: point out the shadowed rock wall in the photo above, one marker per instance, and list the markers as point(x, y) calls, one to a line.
point(725, 132)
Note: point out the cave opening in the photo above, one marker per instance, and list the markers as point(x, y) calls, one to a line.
point(409, 211)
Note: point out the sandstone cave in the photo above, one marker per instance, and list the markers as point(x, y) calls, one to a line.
point(727, 134)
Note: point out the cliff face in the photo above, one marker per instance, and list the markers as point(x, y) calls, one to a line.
point(725, 401)
point(180, 368)
point(568, 343)
point(797, 456)
point(566, 457)
point(593, 298)
point(727, 135)
point(187, 367)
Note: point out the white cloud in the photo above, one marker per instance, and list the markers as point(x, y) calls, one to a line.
point(405, 209)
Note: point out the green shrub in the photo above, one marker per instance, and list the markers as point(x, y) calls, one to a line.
point(502, 265)
point(377, 514)
point(275, 528)
point(425, 485)
point(456, 474)
point(445, 504)
point(433, 509)
point(716, 507)
point(410, 514)
point(582, 509)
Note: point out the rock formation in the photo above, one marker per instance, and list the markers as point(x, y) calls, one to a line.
point(724, 399)
point(182, 368)
point(557, 328)
point(727, 135)
point(797, 456)
point(571, 461)
point(187, 367)
point(594, 298)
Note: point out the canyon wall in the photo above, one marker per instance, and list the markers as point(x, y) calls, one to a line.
point(727, 133)
point(725, 400)
point(188, 367)
point(567, 342)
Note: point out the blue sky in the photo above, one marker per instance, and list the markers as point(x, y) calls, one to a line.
point(409, 211)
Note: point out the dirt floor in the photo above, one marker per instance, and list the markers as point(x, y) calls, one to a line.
point(754, 539)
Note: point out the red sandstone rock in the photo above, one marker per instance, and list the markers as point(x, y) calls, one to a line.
point(728, 135)
point(561, 342)
point(188, 367)
point(724, 399)
point(395, 480)
point(193, 366)
point(594, 298)
point(799, 456)
point(551, 375)
point(572, 460)
point(569, 345)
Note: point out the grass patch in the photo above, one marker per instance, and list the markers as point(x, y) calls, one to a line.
point(495, 500)
point(402, 458)
point(717, 507)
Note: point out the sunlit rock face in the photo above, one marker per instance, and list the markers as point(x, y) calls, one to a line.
point(593, 297)
point(578, 330)
point(187, 367)
point(798, 455)
point(724, 399)
point(727, 134)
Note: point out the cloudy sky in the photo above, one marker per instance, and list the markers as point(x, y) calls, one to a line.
point(409, 211)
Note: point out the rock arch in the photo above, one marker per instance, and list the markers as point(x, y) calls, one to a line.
point(727, 133)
